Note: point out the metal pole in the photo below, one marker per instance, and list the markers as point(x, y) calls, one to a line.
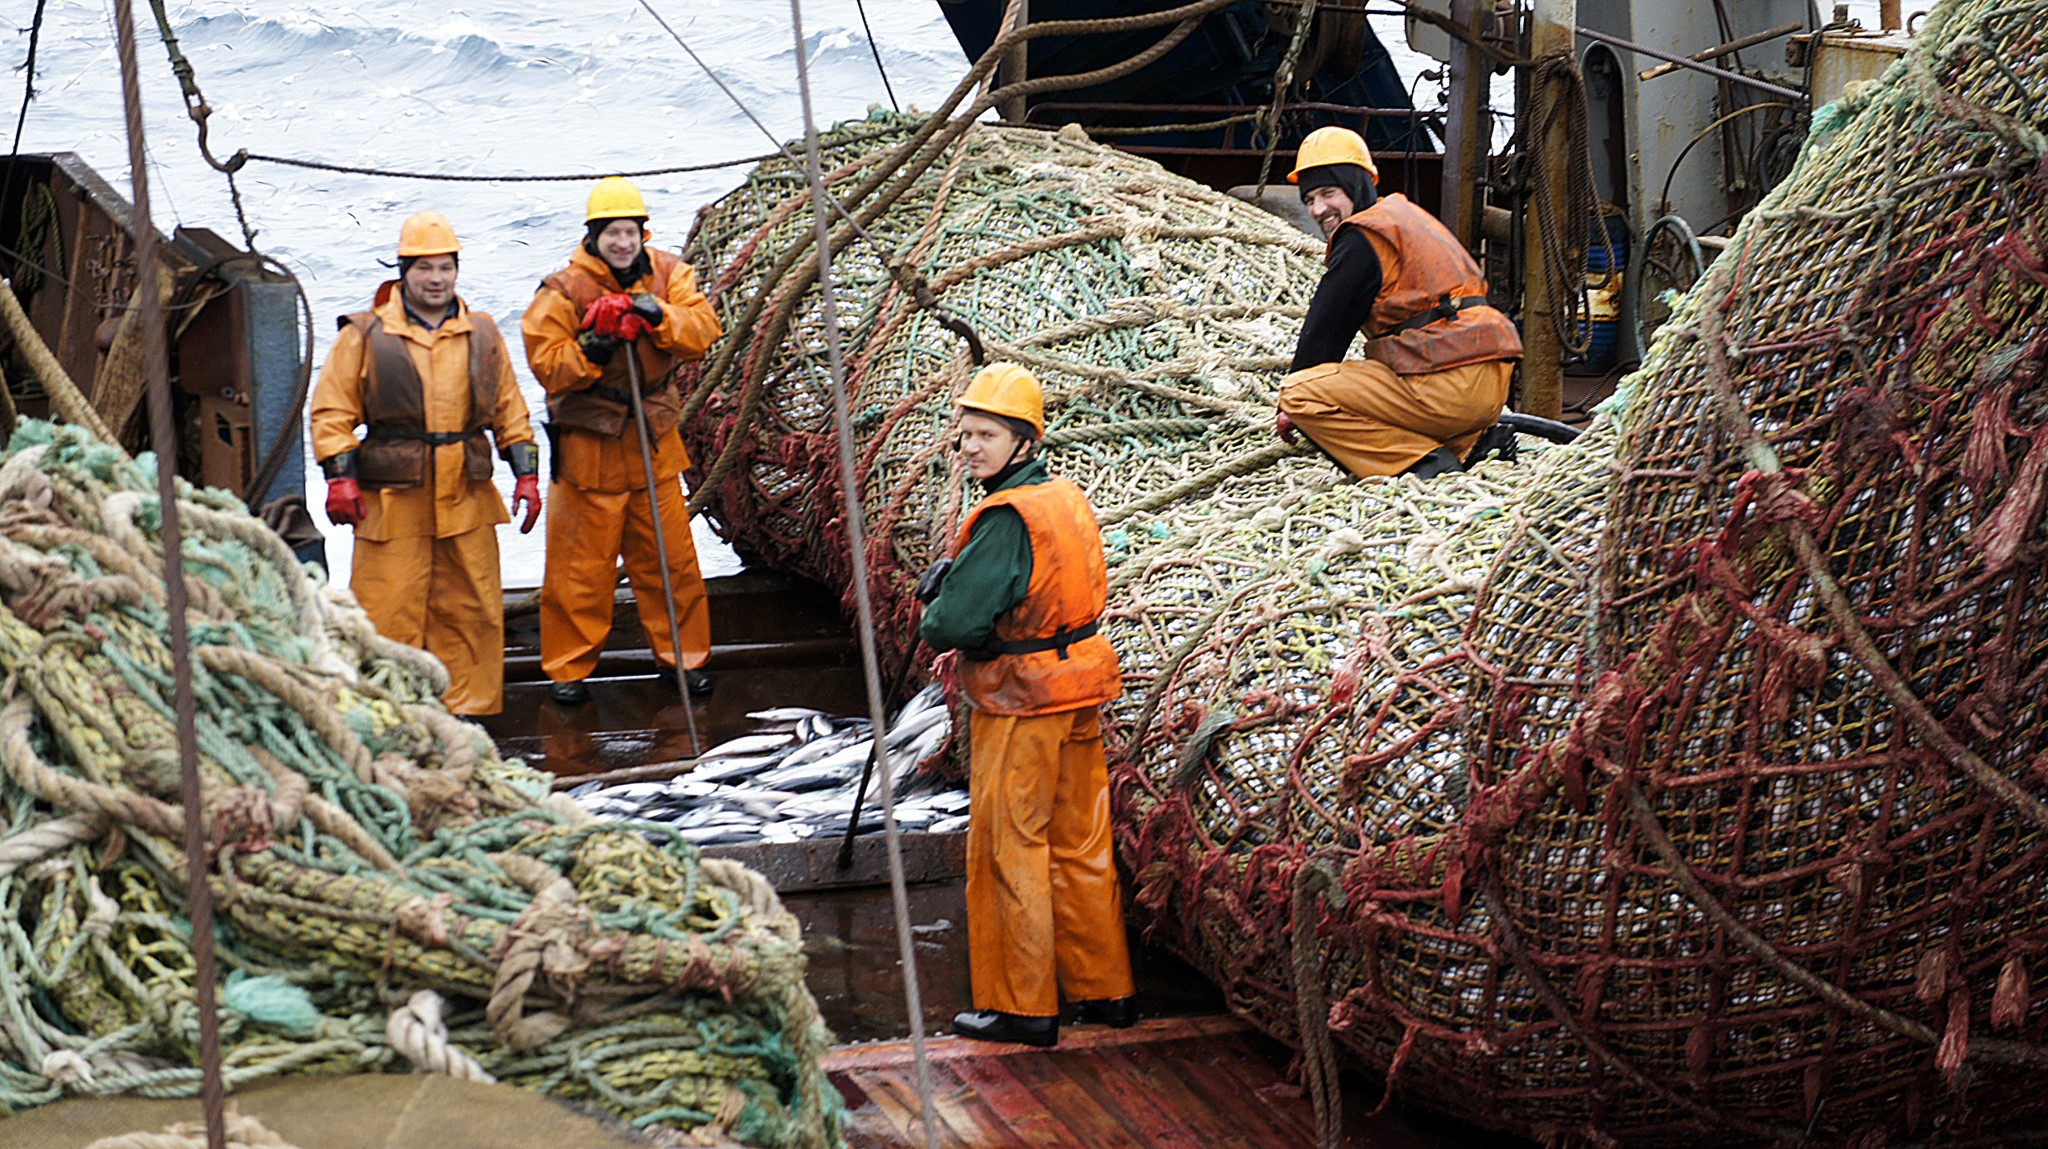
point(164, 437)
point(1550, 33)
point(1017, 61)
point(1783, 93)
point(668, 590)
point(856, 541)
point(1465, 146)
point(1720, 50)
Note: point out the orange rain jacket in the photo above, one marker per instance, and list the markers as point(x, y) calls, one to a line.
point(451, 502)
point(426, 555)
point(598, 474)
point(1068, 590)
point(1422, 265)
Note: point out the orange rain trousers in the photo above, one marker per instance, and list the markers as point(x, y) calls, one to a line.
point(1043, 902)
point(1376, 422)
point(588, 533)
point(398, 580)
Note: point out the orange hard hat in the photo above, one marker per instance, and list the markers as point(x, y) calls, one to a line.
point(1007, 389)
point(428, 233)
point(1332, 146)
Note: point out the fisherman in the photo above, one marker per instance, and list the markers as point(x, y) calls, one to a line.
point(617, 303)
point(1020, 599)
point(1438, 357)
point(427, 376)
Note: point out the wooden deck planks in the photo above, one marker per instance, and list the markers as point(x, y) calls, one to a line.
point(1185, 1083)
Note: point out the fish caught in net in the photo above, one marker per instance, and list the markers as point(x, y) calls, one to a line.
point(1684, 782)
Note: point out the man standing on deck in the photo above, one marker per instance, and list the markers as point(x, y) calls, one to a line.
point(1438, 357)
point(617, 301)
point(427, 376)
point(1020, 602)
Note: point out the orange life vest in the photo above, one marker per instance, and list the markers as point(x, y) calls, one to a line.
point(604, 407)
point(1429, 315)
point(1068, 590)
point(398, 449)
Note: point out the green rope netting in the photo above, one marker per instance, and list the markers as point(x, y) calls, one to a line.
point(1683, 783)
point(366, 845)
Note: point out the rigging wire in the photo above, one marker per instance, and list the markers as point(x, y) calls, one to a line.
point(857, 543)
point(165, 436)
point(28, 94)
point(862, 5)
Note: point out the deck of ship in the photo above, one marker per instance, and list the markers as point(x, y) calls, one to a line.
point(1168, 1082)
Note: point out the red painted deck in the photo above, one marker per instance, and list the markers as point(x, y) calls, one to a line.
point(1193, 1083)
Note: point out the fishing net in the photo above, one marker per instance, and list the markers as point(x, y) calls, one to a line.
point(1704, 795)
point(1684, 782)
point(366, 846)
point(1155, 312)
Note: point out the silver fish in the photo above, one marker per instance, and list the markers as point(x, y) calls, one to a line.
point(952, 825)
point(904, 731)
point(787, 714)
point(726, 769)
point(748, 744)
point(814, 751)
point(816, 726)
point(810, 776)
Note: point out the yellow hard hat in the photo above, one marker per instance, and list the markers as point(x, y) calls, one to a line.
point(615, 197)
point(428, 233)
point(1332, 146)
point(1007, 389)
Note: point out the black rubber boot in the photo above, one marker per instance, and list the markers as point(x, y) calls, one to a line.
point(1114, 1012)
point(1435, 463)
point(570, 693)
point(1015, 1028)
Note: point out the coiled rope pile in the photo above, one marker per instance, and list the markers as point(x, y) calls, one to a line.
point(1685, 783)
point(375, 863)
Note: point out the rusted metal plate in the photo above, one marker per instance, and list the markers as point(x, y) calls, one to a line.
point(798, 866)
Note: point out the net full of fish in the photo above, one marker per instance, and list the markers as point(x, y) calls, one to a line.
point(797, 779)
point(389, 891)
point(1679, 785)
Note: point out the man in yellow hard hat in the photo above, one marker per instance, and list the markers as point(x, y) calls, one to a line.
point(1020, 600)
point(1438, 357)
point(618, 302)
point(427, 377)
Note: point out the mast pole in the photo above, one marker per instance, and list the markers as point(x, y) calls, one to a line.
point(1551, 25)
point(1465, 149)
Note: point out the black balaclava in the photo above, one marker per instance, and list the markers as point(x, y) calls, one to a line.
point(1351, 179)
point(641, 266)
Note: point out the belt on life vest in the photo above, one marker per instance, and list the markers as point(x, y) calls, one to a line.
point(433, 438)
point(617, 395)
point(1446, 308)
point(1060, 640)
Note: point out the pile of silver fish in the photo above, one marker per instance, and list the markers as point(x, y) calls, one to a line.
point(796, 778)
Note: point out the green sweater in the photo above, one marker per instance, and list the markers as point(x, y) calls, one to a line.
point(989, 576)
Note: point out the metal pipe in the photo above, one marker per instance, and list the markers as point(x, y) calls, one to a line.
point(1782, 93)
point(1721, 50)
point(668, 590)
point(1464, 129)
point(1016, 62)
point(164, 436)
point(1550, 33)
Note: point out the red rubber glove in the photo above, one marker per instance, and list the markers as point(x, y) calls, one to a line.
point(345, 502)
point(526, 489)
point(632, 327)
point(1283, 427)
point(604, 314)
